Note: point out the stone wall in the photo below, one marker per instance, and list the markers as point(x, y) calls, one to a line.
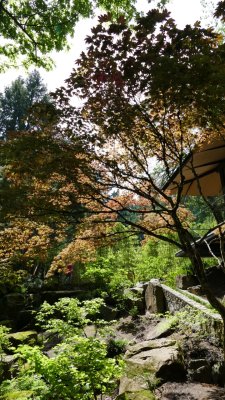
point(161, 298)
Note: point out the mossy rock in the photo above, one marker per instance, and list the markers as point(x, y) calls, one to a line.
point(18, 395)
point(137, 381)
point(24, 337)
point(6, 364)
point(142, 395)
point(133, 370)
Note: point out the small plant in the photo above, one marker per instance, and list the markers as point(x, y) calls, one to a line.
point(188, 321)
point(69, 316)
point(198, 299)
point(115, 347)
point(4, 340)
point(4, 343)
point(153, 382)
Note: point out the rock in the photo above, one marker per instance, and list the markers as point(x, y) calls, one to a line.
point(148, 345)
point(154, 297)
point(185, 391)
point(136, 383)
point(162, 329)
point(7, 361)
point(202, 374)
point(197, 290)
point(198, 363)
point(142, 395)
point(108, 313)
point(204, 362)
point(25, 337)
point(218, 373)
point(186, 281)
point(160, 357)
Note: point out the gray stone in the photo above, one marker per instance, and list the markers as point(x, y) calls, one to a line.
point(142, 395)
point(189, 391)
point(134, 384)
point(162, 329)
point(202, 374)
point(160, 357)
point(137, 383)
point(197, 290)
point(7, 362)
point(154, 298)
point(108, 313)
point(148, 345)
point(185, 281)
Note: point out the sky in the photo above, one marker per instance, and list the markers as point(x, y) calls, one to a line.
point(183, 11)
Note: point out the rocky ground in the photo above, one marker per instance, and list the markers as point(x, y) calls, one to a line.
point(164, 364)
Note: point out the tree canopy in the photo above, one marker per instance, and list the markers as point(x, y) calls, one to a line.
point(29, 30)
point(17, 99)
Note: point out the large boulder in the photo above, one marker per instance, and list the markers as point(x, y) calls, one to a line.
point(162, 358)
point(193, 391)
point(136, 383)
point(149, 362)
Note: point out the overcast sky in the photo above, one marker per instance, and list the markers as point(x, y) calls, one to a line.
point(184, 11)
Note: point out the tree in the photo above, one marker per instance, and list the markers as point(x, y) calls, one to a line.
point(32, 29)
point(17, 99)
point(152, 92)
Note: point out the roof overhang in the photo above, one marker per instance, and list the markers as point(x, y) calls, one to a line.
point(201, 173)
point(208, 248)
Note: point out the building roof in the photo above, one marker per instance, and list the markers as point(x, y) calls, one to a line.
point(203, 171)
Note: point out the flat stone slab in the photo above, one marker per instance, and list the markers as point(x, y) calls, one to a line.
point(160, 357)
point(149, 345)
point(189, 391)
point(162, 329)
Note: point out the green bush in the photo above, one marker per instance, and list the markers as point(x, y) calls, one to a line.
point(79, 370)
point(79, 367)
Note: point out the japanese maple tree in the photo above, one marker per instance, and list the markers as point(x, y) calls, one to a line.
point(150, 94)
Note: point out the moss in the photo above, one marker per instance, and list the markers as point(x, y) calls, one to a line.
point(18, 395)
point(26, 337)
point(133, 369)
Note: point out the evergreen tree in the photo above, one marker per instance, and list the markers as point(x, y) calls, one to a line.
point(17, 100)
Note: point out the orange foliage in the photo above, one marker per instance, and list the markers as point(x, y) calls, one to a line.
point(26, 241)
